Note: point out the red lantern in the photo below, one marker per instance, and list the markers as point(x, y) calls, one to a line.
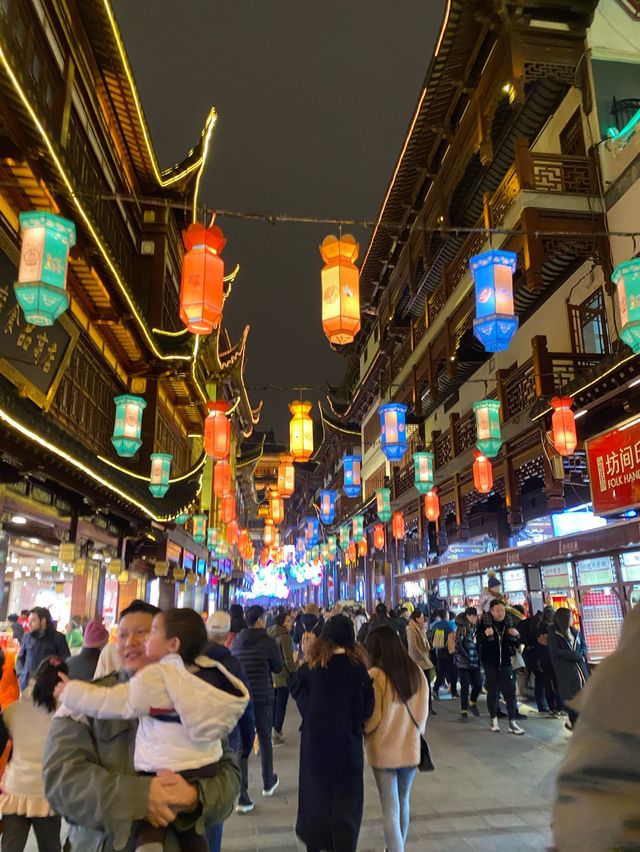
point(432, 505)
point(397, 525)
point(217, 431)
point(482, 472)
point(351, 552)
point(243, 540)
point(228, 508)
point(222, 478)
point(362, 547)
point(563, 423)
point(276, 508)
point(201, 292)
point(232, 532)
point(378, 537)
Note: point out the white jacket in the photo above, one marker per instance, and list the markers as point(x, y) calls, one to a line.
point(195, 715)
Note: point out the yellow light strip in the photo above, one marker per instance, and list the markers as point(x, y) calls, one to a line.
point(170, 333)
point(337, 428)
point(142, 478)
point(196, 347)
point(210, 124)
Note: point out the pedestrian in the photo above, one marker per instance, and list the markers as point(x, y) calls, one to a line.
point(498, 638)
point(27, 723)
point(335, 697)
point(238, 624)
point(568, 652)
point(42, 641)
point(528, 630)
point(16, 628)
point(399, 623)
point(359, 619)
point(9, 688)
point(419, 650)
point(311, 629)
point(381, 618)
point(281, 632)
point(443, 654)
point(83, 666)
point(260, 658)
point(468, 662)
point(74, 635)
point(547, 675)
point(392, 734)
point(491, 592)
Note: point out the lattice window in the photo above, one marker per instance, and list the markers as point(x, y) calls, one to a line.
point(170, 439)
point(466, 432)
point(520, 389)
point(588, 324)
point(371, 432)
point(443, 449)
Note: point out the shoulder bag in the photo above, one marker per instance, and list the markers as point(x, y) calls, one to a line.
point(426, 763)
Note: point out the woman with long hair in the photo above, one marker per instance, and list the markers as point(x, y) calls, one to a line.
point(334, 694)
point(568, 652)
point(392, 741)
point(419, 648)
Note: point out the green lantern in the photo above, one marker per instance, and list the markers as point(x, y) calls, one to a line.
point(128, 426)
point(332, 545)
point(212, 538)
point(160, 471)
point(488, 437)
point(221, 550)
point(182, 519)
point(423, 471)
point(383, 503)
point(345, 534)
point(315, 553)
point(626, 277)
point(42, 276)
point(324, 552)
point(199, 528)
point(358, 528)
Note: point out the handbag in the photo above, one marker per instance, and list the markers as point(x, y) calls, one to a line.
point(426, 763)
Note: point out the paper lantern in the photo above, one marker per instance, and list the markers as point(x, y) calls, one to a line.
point(482, 473)
point(199, 528)
point(160, 471)
point(378, 537)
point(201, 291)
point(221, 478)
point(432, 506)
point(286, 476)
point(300, 547)
point(182, 519)
point(397, 525)
point(383, 504)
point(268, 533)
point(42, 275)
point(626, 277)
point(393, 439)
point(212, 538)
point(358, 528)
point(276, 507)
point(232, 532)
point(423, 471)
point(327, 506)
point(352, 469)
point(351, 552)
point(563, 425)
point(332, 545)
point(340, 289)
point(311, 530)
point(345, 533)
point(362, 547)
point(488, 438)
point(128, 426)
point(217, 431)
point(228, 508)
point(495, 322)
point(243, 539)
point(301, 431)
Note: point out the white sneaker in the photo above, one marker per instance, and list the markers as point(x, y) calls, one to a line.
point(514, 728)
point(495, 727)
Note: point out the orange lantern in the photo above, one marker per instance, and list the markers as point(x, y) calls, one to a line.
point(340, 289)
point(232, 532)
point(228, 508)
point(217, 431)
point(201, 292)
point(286, 476)
point(563, 424)
point(267, 535)
point(482, 472)
point(432, 505)
point(301, 431)
point(276, 508)
point(378, 537)
point(362, 547)
point(351, 552)
point(243, 539)
point(222, 478)
point(397, 525)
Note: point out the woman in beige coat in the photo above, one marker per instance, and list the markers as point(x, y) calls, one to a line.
point(419, 648)
point(392, 734)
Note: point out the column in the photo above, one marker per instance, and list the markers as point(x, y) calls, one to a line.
point(4, 587)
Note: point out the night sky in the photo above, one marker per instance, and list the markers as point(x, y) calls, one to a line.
point(314, 99)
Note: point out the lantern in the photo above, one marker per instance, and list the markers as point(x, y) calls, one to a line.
point(126, 432)
point(332, 546)
point(311, 530)
point(221, 478)
point(199, 528)
point(344, 537)
point(340, 289)
point(42, 275)
point(267, 535)
point(217, 431)
point(383, 504)
point(626, 277)
point(362, 547)
point(392, 424)
point(228, 508)
point(243, 539)
point(276, 508)
point(488, 438)
point(286, 476)
point(212, 538)
point(482, 473)
point(201, 291)
point(378, 537)
point(397, 525)
point(352, 466)
point(324, 552)
point(301, 431)
point(563, 424)
point(432, 506)
point(232, 532)
point(495, 322)
point(300, 547)
point(358, 528)
point(327, 506)
point(423, 471)
point(351, 552)
point(160, 470)
point(182, 519)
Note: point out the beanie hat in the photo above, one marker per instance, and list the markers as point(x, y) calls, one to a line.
point(339, 630)
point(95, 634)
point(219, 622)
point(494, 583)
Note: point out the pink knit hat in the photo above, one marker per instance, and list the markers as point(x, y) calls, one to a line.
point(95, 634)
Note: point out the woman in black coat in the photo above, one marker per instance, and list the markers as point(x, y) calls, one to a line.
point(568, 653)
point(335, 697)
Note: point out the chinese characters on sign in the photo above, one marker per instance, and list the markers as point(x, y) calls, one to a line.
point(614, 469)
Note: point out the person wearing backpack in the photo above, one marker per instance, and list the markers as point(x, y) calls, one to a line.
point(281, 632)
point(442, 652)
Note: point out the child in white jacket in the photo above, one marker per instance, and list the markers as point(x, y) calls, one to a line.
point(182, 717)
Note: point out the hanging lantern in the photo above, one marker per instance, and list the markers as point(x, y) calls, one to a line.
point(327, 506)
point(351, 552)
point(128, 426)
point(340, 289)
point(626, 277)
point(228, 508)
point(201, 291)
point(397, 525)
point(495, 322)
point(432, 506)
point(221, 550)
point(488, 438)
point(42, 275)
point(199, 528)
point(394, 433)
point(243, 539)
point(352, 467)
point(232, 532)
point(383, 504)
point(301, 431)
point(362, 547)
point(286, 476)
point(182, 519)
point(160, 471)
point(563, 424)
point(358, 528)
point(423, 471)
point(217, 431)
point(345, 533)
point(482, 473)
point(267, 535)
point(332, 545)
point(311, 530)
point(212, 538)
point(276, 508)
point(300, 547)
point(221, 478)
point(378, 537)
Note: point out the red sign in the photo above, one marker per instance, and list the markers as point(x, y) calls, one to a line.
point(614, 468)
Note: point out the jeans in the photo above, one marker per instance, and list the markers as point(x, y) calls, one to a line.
point(469, 678)
point(499, 680)
point(394, 788)
point(213, 834)
point(280, 707)
point(16, 833)
point(264, 721)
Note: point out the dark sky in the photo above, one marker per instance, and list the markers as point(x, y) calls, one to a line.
point(314, 99)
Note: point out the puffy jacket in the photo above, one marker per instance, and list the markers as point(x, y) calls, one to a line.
point(467, 656)
point(35, 648)
point(243, 735)
point(259, 656)
point(285, 646)
point(496, 649)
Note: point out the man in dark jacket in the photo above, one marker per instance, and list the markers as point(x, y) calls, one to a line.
point(83, 665)
point(498, 640)
point(467, 660)
point(16, 627)
point(42, 641)
point(381, 618)
point(260, 657)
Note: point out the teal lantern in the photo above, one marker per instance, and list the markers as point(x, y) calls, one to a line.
point(324, 552)
point(358, 528)
point(488, 437)
point(199, 528)
point(126, 432)
point(332, 545)
point(182, 519)
point(626, 277)
point(495, 322)
point(42, 275)
point(315, 553)
point(393, 437)
point(383, 504)
point(160, 470)
point(423, 471)
point(212, 538)
point(345, 534)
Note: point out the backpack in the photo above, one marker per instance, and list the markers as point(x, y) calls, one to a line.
point(307, 642)
point(438, 638)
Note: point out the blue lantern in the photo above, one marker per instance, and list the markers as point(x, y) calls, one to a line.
point(327, 506)
point(311, 530)
point(495, 322)
point(128, 426)
point(352, 466)
point(393, 430)
point(160, 470)
point(300, 547)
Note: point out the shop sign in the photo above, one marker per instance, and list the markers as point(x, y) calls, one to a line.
point(80, 567)
point(614, 468)
point(67, 553)
point(115, 566)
